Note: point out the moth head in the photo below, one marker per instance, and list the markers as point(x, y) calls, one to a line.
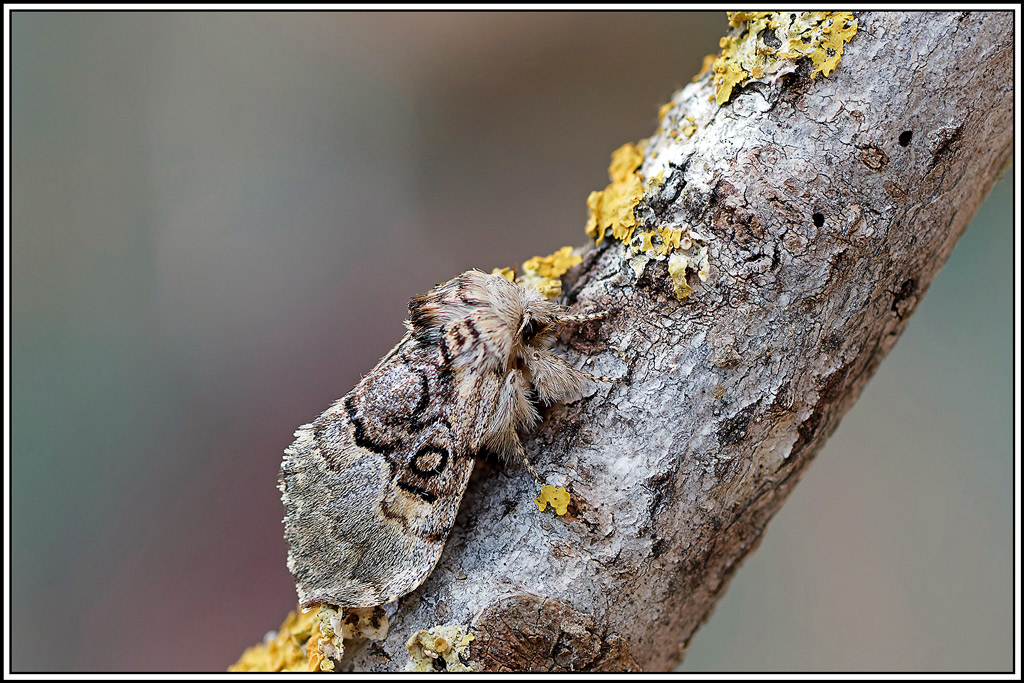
point(529, 330)
point(512, 318)
point(537, 320)
point(534, 329)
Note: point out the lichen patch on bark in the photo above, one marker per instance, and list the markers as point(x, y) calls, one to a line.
point(768, 45)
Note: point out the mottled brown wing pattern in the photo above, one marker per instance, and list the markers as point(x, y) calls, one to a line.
point(371, 487)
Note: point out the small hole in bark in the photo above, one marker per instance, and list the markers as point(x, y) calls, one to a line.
point(905, 136)
point(819, 219)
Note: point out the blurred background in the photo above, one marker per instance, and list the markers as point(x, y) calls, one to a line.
point(217, 222)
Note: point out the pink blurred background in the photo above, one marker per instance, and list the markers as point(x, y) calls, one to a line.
point(217, 221)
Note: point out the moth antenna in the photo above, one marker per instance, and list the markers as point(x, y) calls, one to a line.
point(583, 317)
point(520, 455)
point(572, 368)
point(397, 347)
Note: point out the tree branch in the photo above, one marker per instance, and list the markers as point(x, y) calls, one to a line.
point(826, 206)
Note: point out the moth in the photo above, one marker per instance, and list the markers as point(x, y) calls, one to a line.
point(372, 486)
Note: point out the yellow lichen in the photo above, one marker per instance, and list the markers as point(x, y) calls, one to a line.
point(554, 265)
point(840, 31)
point(441, 648)
point(507, 273)
point(614, 211)
point(645, 240)
point(312, 640)
point(677, 264)
point(728, 72)
point(612, 208)
point(709, 62)
point(670, 239)
point(549, 288)
point(769, 44)
point(556, 496)
point(284, 650)
point(544, 273)
point(319, 660)
point(736, 19)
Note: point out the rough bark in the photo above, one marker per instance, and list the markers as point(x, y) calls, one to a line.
point(830, 204)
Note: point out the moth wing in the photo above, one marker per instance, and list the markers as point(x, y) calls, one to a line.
point(371, 490)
